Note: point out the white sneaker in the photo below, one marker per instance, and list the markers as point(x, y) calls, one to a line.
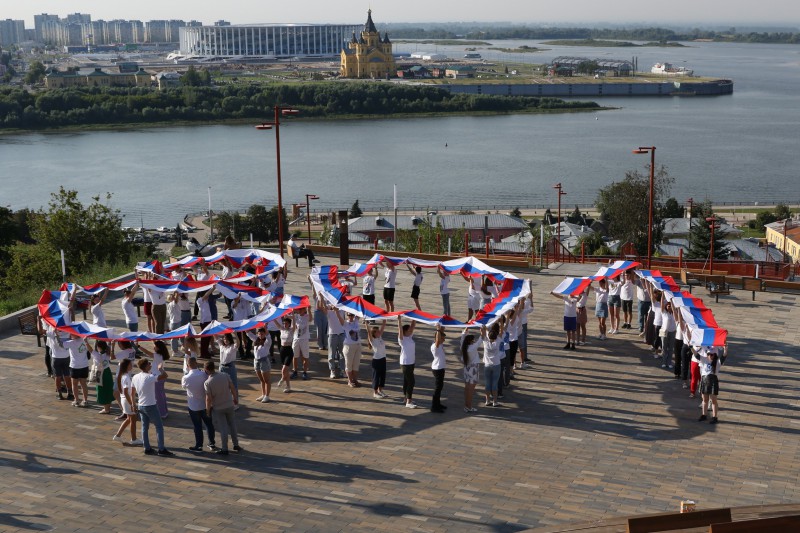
point(116, 438)
point(259, 398)
point(265, 399)
point(136, 442)
point(280, 382)
point(376, 395)
point(525, 366)
point(487, 403)
point(333, 375)
point(287, 390)
point(411, 405)
point(236, 407)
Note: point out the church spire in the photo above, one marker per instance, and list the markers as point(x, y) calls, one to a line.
point(369, 27)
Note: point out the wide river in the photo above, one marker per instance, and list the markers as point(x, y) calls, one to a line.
point(738, 148)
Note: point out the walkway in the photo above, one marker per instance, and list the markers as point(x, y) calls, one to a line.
point(583, 436)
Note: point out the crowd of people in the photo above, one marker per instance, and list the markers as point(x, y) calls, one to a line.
point(661, 326)
point(209, 364)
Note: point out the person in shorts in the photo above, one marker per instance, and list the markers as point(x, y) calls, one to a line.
point(570, 318)
point(300, 341)
point(390, 275)
point(710, 362)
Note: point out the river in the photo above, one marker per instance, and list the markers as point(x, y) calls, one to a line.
point(737, 148)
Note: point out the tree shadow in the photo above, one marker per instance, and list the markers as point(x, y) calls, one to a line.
point(20, 521)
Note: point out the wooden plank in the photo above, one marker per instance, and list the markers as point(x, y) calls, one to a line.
point(777, 524)
point(670, 521)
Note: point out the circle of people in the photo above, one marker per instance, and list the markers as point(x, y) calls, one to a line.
point(212, 389)
point(677, 327)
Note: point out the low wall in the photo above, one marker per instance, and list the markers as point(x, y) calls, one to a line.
point(594, 90)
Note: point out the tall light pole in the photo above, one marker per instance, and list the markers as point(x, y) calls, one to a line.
point(561, 193)
point(712, 223)
point(652, 151)
point(690, 201)
point(309, 197)
point(210, 218)
point(276, 123)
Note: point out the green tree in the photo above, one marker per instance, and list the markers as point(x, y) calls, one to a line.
point(35, 73)
point(258, 221)
point(576, 217)
point(782, 212)
point(700, 236)
point(672, 209)
point(624, 205)
point(87, 234)
point(516, 213)
point(355, 210)
point(593, 244)
point(763, 218)
point(408, 240)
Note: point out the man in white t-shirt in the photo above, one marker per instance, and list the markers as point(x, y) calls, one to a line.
point(194, 385)
point(143, 387)
point(444, 290)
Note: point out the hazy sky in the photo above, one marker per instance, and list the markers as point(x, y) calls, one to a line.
point(583, 12)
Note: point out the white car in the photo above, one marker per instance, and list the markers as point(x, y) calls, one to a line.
point(162, 229)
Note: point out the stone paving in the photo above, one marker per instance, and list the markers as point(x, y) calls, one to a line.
point(583, 436)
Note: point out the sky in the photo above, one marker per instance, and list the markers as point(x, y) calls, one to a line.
point(684, 13)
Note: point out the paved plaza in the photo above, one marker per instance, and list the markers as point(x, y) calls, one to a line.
point(583, 436)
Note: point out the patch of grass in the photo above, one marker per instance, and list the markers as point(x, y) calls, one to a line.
point(15, 300)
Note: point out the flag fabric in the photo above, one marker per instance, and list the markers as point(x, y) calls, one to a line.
point(708, 337)
point(572, 286)
point(511, 293)
point(54, 308)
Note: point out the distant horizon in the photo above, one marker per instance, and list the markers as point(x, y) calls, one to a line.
point(681, 14)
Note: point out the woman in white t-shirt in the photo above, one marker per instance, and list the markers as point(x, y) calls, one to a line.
point(174, 316)
point(376, 342)
point(492, 344)
point(416, 271)
point(128, 309)
point(105, 383)
point(471, 360)
point(352, 349)
point(667, 335)
point(96, 306)
point(408, 358)
point(444, 290)
point(368, 285)
point(582, 316)
point(261, 362)
point(123, 382)
point(601, 307)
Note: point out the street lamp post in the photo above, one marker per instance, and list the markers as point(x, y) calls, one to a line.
point(690, 201)
point(309, 197)
point(652, 151)
point(712, 223)
point(276, 123)
point(561, 193)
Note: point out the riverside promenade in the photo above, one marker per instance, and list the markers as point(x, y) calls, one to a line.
point(582, 439)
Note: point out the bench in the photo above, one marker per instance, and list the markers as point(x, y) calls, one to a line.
point(290, 251)
point(717, 285)
point(29, 325)
point(689, 281)
point(757, 525)
point(781, 286)
point(753, 285)
point(670, 521)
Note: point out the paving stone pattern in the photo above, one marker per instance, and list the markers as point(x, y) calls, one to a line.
point(587, 435)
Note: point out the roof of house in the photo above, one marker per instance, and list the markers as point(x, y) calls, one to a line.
point(680, 226)
point(447, 222)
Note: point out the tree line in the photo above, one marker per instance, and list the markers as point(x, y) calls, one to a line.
point(633, 34)
point(97, 106)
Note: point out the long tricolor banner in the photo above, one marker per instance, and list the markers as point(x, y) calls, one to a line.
point(703, 327)
point(468, 266)
point(325, 281)
point(54, 308)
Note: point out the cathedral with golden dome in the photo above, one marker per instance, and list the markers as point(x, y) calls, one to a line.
point(368, 56)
